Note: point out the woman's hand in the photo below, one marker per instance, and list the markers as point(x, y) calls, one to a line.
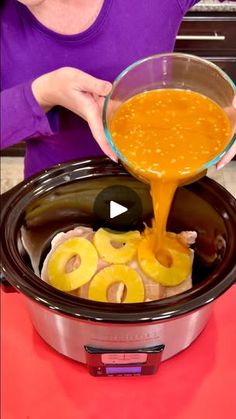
point(80, 93)
point(231, 112)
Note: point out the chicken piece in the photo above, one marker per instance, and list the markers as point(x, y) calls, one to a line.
point(85, 232)
point(82, 292)
point(115, 293)
point(188, 237)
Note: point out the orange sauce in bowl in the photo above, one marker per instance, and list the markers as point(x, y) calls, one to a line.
point(167, 136)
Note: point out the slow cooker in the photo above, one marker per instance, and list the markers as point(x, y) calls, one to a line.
point(110, 338)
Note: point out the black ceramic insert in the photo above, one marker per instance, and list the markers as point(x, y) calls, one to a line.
point(63, 197)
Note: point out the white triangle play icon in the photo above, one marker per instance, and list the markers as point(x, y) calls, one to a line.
point(116, 209)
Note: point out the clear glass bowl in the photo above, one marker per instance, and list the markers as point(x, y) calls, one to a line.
point(171, 71)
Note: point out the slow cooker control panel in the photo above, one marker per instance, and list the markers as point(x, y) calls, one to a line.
point(123, 362)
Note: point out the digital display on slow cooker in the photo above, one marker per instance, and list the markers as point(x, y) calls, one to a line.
point(124, 370)
point(121, 362)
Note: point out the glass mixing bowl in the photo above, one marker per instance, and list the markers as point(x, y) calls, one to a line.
point(171, 71)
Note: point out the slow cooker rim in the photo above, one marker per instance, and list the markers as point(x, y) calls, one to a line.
point(95, 310)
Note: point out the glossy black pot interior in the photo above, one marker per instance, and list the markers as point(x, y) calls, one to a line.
point(63, 197)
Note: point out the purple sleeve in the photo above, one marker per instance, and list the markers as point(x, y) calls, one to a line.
point(21, 116)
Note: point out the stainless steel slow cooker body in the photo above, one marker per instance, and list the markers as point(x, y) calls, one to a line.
point(63, 197)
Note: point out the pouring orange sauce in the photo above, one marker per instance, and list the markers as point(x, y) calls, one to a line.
point(167, 136)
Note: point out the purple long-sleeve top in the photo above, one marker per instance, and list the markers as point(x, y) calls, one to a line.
point(123, 32)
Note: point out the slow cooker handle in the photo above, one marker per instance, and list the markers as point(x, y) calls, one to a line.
point(6, 195)
point(5, 285)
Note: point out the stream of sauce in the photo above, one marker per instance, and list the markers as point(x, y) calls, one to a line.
point(167, 136)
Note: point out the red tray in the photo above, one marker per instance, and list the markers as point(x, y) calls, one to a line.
point(39, 383)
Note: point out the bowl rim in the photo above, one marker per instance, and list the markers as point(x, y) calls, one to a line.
point(24, 280)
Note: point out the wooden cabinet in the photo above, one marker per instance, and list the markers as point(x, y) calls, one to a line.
point(228, 64)
point(17, 150)
point(210, 35)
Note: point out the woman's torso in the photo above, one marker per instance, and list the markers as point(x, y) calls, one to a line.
point(123, 32)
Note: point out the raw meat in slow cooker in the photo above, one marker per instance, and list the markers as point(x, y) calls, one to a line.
point(153, 290)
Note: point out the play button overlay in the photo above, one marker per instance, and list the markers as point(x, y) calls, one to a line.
point(118, 208)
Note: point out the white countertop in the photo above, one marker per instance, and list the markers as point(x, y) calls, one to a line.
point(215, 6)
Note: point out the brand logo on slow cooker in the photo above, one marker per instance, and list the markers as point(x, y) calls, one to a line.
point(128, 338)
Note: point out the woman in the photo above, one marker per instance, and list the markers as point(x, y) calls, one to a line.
point(59, 58)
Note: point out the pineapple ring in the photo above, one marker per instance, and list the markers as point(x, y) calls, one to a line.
point(69, 281)
point(103, 241)
point(169, 277)
point(113, 274)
